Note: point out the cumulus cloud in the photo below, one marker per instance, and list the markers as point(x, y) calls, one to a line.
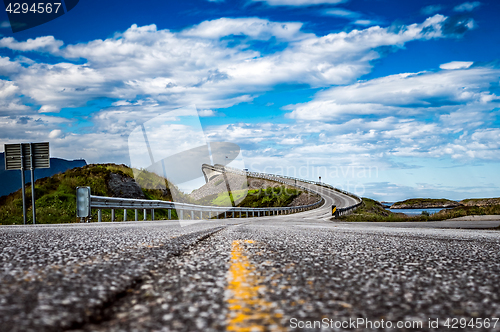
point(342, 13)
point(202, 64)
point(144, 72)
point(414, 115)
point(402, 93)
point(41, 44)
point(456, 65)
point(254, 28)
point(467, 6)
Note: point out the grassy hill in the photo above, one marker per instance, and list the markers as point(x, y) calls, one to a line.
point(373, 211)
point(56, 195)
point(425, 203)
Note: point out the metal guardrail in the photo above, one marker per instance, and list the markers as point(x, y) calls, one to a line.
point(339, 211)
point(112, 203)
point(100, 202)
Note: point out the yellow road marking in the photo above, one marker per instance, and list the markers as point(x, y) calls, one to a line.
point(248, 311)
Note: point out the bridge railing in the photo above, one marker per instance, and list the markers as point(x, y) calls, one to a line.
point(279, 178)
point(193, 211)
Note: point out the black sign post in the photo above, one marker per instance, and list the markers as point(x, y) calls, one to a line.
point(24, 156)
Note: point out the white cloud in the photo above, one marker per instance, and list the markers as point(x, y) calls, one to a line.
point(456, 65)
point(342, 13)
point(197, 65)
point(400, 94)
point(363, 22)
point(299, 2)
point(55, 133)
point(208, 113)
point(467, 6)
point(40, 44)
point(147, 72)
point(292, 141)
point(255, 28)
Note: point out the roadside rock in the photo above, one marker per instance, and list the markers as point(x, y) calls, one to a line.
point(123, 186)
point(305, 198)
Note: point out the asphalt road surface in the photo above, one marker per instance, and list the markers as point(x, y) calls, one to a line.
point(300, 272)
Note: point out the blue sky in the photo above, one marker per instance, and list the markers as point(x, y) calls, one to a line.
point(389, 99)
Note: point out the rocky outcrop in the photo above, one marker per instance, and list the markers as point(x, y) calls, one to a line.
point(305, 198)
point(425, 203)
point(124, 186)
point(480, 201)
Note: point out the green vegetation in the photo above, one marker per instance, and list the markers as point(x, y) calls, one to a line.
point(258, 198)
point(424, 202)
point(56, 195)
point(373, 211)
point(270, 197)
point(481, 201)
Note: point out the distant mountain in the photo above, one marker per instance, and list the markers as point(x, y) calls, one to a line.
point(10, 181)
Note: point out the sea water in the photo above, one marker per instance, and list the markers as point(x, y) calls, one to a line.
point(415, 212)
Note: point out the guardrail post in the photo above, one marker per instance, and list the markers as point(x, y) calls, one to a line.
point(182, 215)
point(253, 213)
point(169, 214)
point(145, 212)
point(112, 215)
point(136, 215)
point(201, 215)
point(192, 215)
point(152, 214)
point(240, 214)
point(225, 215)
point(209, 214)
point(99, 215)
point(124, 214)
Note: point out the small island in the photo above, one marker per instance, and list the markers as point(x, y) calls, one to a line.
point(425, 203)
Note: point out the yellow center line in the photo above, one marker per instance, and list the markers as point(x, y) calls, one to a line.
point(248, 311)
